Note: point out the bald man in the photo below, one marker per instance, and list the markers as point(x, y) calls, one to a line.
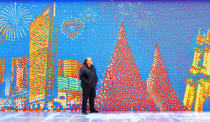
point(88, 79)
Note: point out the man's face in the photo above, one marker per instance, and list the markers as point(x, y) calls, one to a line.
point(89, 61)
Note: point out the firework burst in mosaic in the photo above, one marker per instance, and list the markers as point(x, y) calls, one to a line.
point(89, 15)
point(15, 20)
point(134, 11)
point(3, 35)
point(143, 19)
point(72, 27)
point(125, 8)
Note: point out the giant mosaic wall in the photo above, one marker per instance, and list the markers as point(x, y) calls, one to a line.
point(149, 56)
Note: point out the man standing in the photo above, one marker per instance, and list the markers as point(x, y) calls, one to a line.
point(88, 79)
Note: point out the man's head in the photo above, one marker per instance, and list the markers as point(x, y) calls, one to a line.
point(88, 61)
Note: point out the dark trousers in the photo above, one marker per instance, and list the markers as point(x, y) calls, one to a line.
point(90, 93)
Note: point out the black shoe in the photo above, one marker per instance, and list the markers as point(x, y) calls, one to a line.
point(85, 113)
point(95, 111)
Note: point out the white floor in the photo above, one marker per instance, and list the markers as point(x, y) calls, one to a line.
point(104, 117)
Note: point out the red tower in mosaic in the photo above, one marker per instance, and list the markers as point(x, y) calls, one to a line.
point(122, 88)
point(159, 86)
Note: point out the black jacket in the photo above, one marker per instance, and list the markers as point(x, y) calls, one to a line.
point(88, 76)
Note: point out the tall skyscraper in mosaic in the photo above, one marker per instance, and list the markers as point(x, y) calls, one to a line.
point(43, 54)
point(2, 72)
point(19, 84)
